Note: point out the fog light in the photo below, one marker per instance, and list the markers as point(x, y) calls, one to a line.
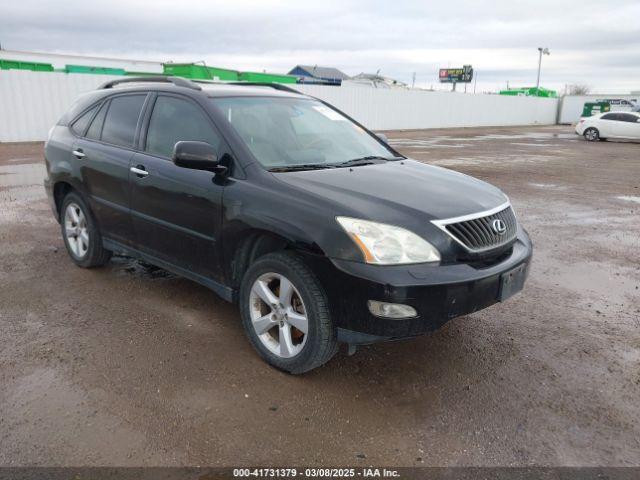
point(391, 310)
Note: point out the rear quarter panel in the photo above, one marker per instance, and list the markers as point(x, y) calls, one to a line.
point(60, 163)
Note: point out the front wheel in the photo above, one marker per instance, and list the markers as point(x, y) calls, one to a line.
point(592, 134)
point(285, 313)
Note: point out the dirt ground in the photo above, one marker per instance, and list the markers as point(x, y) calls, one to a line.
point(128, 365)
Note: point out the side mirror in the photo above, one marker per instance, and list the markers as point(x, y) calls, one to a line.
point(197, 156)
point(382, 137)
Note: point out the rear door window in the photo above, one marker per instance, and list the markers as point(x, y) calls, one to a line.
point(122, 118)
point(610, 116)
point(627, 117)
point(80, 125)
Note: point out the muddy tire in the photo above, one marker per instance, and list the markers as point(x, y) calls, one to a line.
point(81, 233)
point(285, 313)
point(591, 134)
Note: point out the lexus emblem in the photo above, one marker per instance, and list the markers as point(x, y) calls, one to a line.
point(499, 226)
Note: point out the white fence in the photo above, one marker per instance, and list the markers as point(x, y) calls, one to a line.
point(388, 109)
point(571, 105)
point(31, 102)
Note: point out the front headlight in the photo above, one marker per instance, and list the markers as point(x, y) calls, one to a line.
point(384, 244)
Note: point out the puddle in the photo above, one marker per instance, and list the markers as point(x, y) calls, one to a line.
point(629, 198)
point(443, 141)
point(21, 175)
point(418, 147)
point(19, 185)
point(532, 135)
point(495, 159)
point(43, 409)
point(137, 268)
point(551, 186)
point(597, 283)
point(595, 217)
point(522, 144)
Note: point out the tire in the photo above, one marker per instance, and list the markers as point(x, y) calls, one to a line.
point(591, 134)
point(299, 351)
point(81, 234)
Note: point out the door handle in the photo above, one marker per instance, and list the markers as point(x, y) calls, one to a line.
point(78, 153)
point(139, 171)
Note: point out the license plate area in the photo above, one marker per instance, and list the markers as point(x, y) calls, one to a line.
point(512, 282)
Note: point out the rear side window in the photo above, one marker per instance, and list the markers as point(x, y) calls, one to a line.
point(122, 117)
point(96, 126)
point(610, 116)
point(80, 125)
point(173, 120)
point(627, 117)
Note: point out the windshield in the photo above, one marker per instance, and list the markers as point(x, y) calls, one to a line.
point(290, 132)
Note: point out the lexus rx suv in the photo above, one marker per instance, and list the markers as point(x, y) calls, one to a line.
point(317, 228)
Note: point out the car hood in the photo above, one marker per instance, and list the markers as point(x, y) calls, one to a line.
point(388, 191)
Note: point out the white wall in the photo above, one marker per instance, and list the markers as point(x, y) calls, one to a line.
point(571, 105)
point(32, 102)
point(393, 109)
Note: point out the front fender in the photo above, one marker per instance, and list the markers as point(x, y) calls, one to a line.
point(249, 206)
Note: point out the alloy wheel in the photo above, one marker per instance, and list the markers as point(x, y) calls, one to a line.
point(278, 315)
point(75, 227)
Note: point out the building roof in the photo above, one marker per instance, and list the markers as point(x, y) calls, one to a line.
point(376, 80)
point(320, 72)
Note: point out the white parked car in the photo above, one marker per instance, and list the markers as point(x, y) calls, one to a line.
point(610, 125)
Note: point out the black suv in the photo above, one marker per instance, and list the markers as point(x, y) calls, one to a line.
point(320, 230)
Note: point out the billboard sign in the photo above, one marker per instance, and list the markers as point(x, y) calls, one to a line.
point(621, 104)
point(456, 75)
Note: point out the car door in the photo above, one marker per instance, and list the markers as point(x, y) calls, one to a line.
point(630, 125)
point(104, 151)
point(176, 212)
point(609, 125)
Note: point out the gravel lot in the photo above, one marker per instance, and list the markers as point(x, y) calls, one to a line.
point(128, 365)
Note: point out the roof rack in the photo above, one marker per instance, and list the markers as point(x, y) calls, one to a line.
point(177, 81)
point(275, 86)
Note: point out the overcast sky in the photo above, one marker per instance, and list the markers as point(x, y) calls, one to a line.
point(592, 42)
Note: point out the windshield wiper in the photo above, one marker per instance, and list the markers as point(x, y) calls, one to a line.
point(368, 160)
point(303, 166)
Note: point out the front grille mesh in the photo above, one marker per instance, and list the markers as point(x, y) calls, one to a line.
point(478, 235)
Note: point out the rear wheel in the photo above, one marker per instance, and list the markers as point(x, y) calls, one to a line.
point(285, 313)
point(81, 234)
point(592, 134)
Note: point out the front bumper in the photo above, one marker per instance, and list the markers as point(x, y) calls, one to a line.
point(439, 293)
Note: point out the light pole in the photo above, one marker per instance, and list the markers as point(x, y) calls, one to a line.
point(543, 51)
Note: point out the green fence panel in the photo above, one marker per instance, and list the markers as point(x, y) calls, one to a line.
point(94, 70)
point(20, 65)
point(266, 77)
point(530, 92)
point(199, 72)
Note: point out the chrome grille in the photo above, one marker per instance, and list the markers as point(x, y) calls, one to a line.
point(477, 233)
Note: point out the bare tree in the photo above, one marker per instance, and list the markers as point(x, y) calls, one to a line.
point(579, 89)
